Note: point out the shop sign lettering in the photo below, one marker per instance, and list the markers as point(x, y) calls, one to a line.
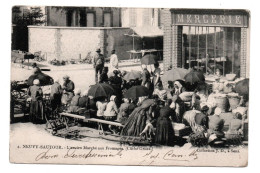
point(216, 20)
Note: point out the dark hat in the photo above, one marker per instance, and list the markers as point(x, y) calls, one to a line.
point(98, 50)
point(34, 64)
point(116, 72)
point(113, 51)
point(205, 108)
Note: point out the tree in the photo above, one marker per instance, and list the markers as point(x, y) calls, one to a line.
point(29, 16)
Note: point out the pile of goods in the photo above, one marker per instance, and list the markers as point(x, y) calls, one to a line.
point(57, 62)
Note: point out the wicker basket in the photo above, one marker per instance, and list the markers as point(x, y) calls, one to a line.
point(230, 77)
point(222, 103)
point(233, 101)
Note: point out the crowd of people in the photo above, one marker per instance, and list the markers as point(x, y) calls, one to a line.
point(153, 115)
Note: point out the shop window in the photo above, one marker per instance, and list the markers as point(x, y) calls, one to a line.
point(211, 48)
point(107, 19)
point(90, 20)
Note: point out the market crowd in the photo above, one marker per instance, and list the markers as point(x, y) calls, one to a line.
point(144, 103)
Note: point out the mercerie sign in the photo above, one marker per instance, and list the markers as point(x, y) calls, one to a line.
point(227, 20)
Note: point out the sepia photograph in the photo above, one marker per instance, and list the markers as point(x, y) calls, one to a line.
point(129, 86)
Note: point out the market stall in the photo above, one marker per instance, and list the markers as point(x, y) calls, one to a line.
point(150, 37)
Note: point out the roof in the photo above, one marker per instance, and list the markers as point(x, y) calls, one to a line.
point(151, 31)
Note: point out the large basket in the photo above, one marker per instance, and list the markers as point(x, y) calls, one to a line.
point(222, 103)
point(233, 101)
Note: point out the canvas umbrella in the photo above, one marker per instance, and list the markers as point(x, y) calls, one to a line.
point(132, 75)
point(43, 78)
point(101, 90)
point(137, 91)
point(242, 87)
point(194, 77)
point(148, 59)
point(175, 74)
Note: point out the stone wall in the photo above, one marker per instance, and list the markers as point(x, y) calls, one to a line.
point(65, 43)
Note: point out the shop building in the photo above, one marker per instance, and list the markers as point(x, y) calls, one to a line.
point(207, 39)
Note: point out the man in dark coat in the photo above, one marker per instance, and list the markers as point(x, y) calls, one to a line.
point(55, 96)
point(98, 64)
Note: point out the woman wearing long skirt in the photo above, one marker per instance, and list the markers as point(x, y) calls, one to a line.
point(136, 122)
point(36, 107)
point(164, 134)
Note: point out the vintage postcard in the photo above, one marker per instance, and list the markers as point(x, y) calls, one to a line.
point(129, 86)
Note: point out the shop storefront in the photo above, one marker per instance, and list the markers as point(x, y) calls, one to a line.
point(209, 39)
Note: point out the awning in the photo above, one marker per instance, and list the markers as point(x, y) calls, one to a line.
point(151, 31)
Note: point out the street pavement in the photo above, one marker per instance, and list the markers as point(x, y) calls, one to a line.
point(83, 75)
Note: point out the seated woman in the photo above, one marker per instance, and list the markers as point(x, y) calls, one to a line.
point(84, 104)
point(111, 111)
point(162, 94)
point(138, 119)
point(123, 111)
point(216, 124)
point(179, 87)
point(101, 107)
point(197, 120)
point(164, 134)
point(74, 104)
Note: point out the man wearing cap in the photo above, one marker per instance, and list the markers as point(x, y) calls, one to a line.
point(68, 88)
point(98, 64)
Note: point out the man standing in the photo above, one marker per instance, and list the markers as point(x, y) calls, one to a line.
point(113, 60)
point(98, 64)
point(68, 89)
point(56, 93)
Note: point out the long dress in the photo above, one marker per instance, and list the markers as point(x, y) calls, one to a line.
point(136, 122)
point(164, 131)
point(36, 108)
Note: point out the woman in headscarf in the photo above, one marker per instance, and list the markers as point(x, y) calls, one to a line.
point(164, 134)
point(179, 87)
point(138, 119)
point(101, 107)
point(36, 107)
point(111, 111)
